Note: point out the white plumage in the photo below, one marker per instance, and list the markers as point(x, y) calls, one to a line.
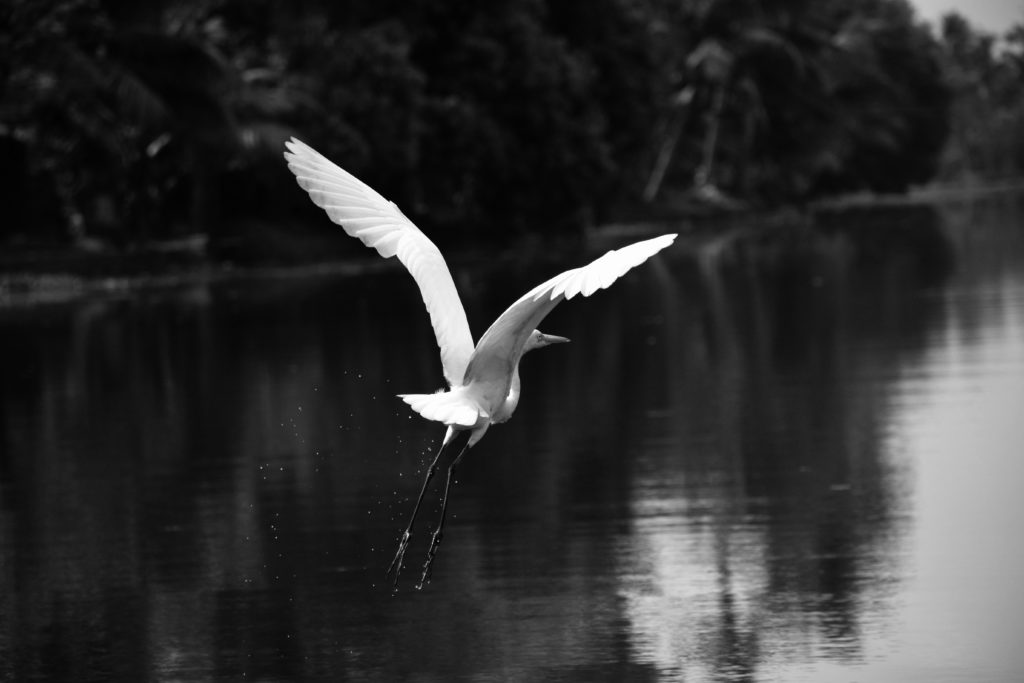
point(483, 381)
point(378, 223)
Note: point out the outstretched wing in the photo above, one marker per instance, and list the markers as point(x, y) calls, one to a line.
point(502, 344)
point(378, 223)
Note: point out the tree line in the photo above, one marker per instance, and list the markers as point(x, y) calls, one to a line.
point(123, 123)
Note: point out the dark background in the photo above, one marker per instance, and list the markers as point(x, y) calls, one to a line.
point(157, 128)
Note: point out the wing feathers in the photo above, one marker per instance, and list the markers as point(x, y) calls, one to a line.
point(378, 223)
point(502, 343)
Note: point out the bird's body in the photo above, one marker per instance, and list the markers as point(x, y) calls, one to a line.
point(489, 393)
point(483, 380)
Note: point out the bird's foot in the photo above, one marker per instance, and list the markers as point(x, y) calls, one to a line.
point(434, 542)
point(396, 564)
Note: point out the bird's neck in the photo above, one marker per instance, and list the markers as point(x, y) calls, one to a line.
point(511, 398)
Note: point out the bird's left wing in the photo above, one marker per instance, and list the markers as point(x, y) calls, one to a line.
point(502, 343)
point(378, 223)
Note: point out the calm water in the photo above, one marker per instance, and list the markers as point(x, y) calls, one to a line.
point(784, 459)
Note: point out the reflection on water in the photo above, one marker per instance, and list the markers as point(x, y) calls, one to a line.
point(778, 458)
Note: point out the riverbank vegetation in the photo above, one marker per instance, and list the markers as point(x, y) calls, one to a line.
point(124, 125)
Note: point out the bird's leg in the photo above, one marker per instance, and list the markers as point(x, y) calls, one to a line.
point(396, 564)
point(435, 541)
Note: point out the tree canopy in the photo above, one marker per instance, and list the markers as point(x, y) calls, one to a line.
point(124, 122)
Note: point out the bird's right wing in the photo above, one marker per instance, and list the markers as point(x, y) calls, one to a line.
point(378, 223)
point(502, 344)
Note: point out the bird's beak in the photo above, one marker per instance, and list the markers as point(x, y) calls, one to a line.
point(552, 339)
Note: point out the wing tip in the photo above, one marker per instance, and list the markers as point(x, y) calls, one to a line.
point(666, 239)
point(655, 244)
point(296, 150)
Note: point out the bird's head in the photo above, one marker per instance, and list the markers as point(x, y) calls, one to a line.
point(539, 340)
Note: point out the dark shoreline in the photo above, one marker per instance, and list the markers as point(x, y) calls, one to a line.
point(36, 276)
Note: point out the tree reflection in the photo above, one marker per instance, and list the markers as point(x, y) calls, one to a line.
point(210, 483)
point(784, 489)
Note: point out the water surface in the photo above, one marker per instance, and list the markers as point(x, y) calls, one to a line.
point(780, 458)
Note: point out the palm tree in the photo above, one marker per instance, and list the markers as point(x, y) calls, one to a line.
point(720, 71)
point(793, 99)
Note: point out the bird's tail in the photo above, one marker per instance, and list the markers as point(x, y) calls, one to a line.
point(451, 407)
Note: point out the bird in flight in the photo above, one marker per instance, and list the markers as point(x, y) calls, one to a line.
point(483, 381)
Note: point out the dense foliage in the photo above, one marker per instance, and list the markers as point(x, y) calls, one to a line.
point(123, 122)
point(987, 123)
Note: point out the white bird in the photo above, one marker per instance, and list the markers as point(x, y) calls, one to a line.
point(483, 381)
